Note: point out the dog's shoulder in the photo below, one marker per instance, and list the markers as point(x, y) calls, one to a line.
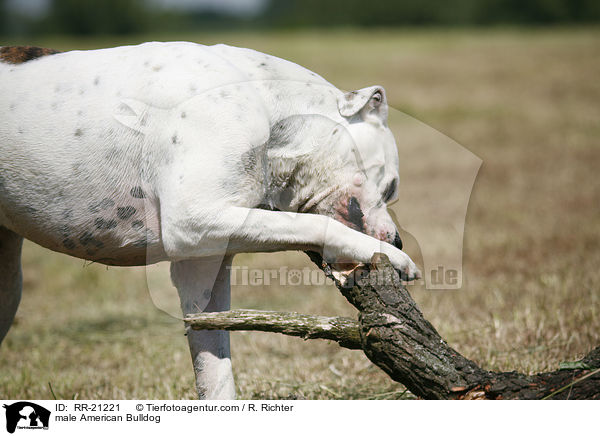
point(23, 53)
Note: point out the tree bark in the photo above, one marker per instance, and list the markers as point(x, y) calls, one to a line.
point(394, 335)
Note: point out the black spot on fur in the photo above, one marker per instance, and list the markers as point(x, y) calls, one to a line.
point(68, 243)
point(355, 215)
point(389, 192)
point(125, 212)
point(137, 192)
point(174, 138)
point(397, 241)
point(102, 224)
point(137, 225)
point(97, 80)
point(88, 239)
point(183, 115)
point(78, 132)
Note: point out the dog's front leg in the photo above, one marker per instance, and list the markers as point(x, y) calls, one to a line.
point(204, 285)
point(240, 230)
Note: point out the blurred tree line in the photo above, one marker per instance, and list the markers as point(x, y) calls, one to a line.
point(300, 13)
point(91, 17)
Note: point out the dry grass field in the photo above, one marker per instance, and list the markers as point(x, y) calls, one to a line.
point(526, 102)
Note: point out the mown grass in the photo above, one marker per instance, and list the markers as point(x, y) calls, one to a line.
point(526, 102)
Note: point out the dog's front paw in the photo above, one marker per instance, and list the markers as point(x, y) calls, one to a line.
point(410, 273)
point(403, 264)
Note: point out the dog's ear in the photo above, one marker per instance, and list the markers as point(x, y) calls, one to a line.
point(368, 103)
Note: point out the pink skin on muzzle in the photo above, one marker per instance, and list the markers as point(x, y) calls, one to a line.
point(374, 222)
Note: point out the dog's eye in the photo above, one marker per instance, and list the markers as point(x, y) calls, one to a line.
point(389, 192)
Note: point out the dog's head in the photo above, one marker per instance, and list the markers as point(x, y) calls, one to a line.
point(345, 167)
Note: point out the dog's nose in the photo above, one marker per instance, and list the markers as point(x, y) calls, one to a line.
point(398, 241)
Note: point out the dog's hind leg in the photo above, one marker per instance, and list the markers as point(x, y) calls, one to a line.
point(10, 278)
point(204, 286)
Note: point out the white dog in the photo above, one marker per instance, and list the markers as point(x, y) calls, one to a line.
point(191, 154)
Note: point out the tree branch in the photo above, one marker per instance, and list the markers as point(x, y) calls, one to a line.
point(394, 335)
point(342, 330)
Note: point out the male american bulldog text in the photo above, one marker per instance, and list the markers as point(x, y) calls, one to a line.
point(188, 153)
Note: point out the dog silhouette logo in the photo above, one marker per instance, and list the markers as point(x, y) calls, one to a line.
point(26, 415)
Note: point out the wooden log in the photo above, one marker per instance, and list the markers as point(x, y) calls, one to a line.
point(342, 330)
point(394, 335)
